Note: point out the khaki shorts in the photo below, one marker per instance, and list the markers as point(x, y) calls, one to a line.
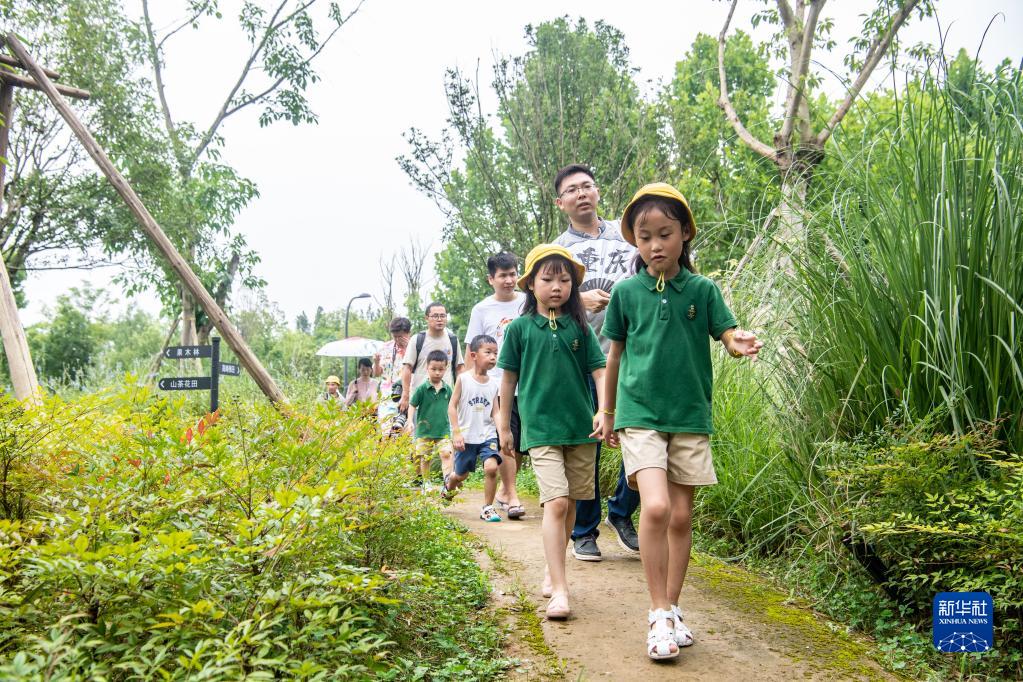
point(685, 456)
point(565, 471)
point(426, 448)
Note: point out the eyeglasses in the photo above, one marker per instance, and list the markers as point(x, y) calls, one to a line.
point(575, 189)
point(438, 316)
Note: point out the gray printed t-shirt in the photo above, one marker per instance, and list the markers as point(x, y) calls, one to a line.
point(608, 260)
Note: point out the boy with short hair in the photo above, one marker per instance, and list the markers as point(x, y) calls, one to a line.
point(431, 400)
point(491, 316)
point(472, 412)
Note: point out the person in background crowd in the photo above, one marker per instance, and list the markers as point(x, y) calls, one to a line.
point(332, 391)
point(490, 317)
point(387, 366)
point(436, 337)
point(471, 413)
point(433, 430)
point(599, 245)
point(364, 388)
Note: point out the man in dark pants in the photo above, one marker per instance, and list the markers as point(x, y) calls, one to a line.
point(598, 244)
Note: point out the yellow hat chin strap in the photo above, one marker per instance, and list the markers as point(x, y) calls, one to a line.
point(551, 321)
point(660, 282)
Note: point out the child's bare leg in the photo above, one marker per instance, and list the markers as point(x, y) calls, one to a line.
point(555, 514)
point(455, 480)
point(447, 459)
point(680, 537)
point(654, 517)
point(490, 469)
point(508, 493)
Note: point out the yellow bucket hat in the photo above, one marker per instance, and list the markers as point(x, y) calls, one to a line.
point(657, 189)
point(540, 252)
point(332, 380)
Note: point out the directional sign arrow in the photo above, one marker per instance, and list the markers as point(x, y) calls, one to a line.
point(187, 352)
point(230, 369)
point(184, 384)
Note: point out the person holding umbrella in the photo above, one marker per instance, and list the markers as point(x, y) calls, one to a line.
point(364, 388)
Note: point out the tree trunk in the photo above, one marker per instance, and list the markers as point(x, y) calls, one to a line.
point(19, 359)
point(188, 333)
point(790, 237)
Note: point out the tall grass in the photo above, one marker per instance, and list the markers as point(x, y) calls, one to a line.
point(912, 287)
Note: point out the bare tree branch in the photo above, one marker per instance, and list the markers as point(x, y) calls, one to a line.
point(187, 22)
point(154, 56)
point(211, 131)
point(276, 84)
point(800, 47)
point(877, 50)
point(725, 103)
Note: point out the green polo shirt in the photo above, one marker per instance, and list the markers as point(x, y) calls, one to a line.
point(665, 378)
point(431, 410)
point(554, 397)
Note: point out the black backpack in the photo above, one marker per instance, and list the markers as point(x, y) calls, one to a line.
point(421, 339)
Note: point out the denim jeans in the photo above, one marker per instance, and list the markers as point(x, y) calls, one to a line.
point(622, 504)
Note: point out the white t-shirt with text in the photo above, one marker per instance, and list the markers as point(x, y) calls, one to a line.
point(492, 317)
point(475, 408)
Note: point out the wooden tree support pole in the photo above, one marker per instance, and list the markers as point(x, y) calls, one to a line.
point(19, 360)
point(220, 320)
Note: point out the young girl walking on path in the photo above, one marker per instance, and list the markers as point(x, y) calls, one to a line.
point(658, 393)
point(547, 353)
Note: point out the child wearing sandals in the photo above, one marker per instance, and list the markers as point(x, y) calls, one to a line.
point(547, 353)
point(471, 412)
point(660, 321)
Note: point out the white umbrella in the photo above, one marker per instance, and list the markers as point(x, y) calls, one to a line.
point(352, 347)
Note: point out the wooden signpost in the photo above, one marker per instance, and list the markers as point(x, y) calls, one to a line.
point(210, 383)
point(188, 278)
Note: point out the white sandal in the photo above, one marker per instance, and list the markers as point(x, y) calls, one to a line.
point(660, 637)
point(683, 635)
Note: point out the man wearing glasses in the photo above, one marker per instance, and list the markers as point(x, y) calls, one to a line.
point(598, 244)
point(436, 337)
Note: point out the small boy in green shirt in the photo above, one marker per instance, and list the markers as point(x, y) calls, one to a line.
point(432, 427)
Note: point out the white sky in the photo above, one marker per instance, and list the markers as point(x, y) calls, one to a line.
point(333, 199)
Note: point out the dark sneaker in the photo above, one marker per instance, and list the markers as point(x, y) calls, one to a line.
point(626, 533)
point(585, 548)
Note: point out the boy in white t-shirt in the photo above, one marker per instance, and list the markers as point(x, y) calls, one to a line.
point(491, 316)
point(471, 413)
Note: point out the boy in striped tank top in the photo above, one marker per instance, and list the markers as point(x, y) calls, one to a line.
point(472, 412)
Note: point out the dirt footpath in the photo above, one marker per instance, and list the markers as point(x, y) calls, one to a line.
point(744, 628)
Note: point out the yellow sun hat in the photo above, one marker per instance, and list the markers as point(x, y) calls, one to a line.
point(541, 251)
point(654, 189)
point(332, 380)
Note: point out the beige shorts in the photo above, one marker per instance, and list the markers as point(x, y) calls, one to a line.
point(426, 448)
point(565, 471)
point(685, 456)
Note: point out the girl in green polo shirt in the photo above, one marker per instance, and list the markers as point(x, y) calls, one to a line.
point(658, 391)
point(547, 353)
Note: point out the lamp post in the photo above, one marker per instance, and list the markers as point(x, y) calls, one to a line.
point(347, 311)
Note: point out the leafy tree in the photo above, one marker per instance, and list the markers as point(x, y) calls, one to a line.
point(273, 77)
point(721, 180)
point(302, 323)
point(66, 346)
point(56, 206)
point(797, 146)
point(570, 99)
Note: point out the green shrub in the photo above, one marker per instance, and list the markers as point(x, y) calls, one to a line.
point(944, 514)
point(245, 544)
